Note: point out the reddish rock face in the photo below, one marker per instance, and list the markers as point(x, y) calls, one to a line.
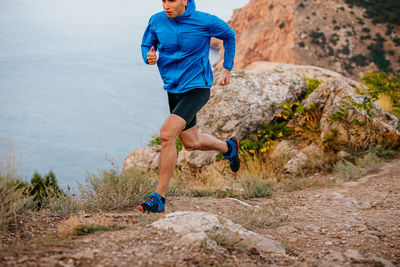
point(327, 34)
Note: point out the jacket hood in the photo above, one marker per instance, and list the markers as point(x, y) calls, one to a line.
point(190, 8)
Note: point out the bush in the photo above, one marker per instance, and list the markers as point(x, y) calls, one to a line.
point(379, 84)
point(379, 11)
point(40, 187)
point(255, 186)
point(367, 30)
point(111, 190)
point(334, 38)
point(14, 200)
point(360, 60)
point(318, 38)
point(347, 170)
point(301, 44)
point(377, 54)
point(157, 141)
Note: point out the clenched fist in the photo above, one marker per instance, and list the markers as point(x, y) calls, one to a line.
point(152, 56)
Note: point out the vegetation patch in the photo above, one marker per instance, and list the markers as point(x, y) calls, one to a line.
point(379, 11)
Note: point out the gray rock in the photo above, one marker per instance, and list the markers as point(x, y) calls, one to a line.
point(144, 158)
point(342, 155)
point(332, 96)
point(312, 150)
point(194, 227)
point(297, 163)
point(283, 150)
point(196, 159)
point(253, 97)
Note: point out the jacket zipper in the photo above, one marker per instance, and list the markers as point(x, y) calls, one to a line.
point(204, 71)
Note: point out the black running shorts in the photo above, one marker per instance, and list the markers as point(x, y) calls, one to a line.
point(186, 105)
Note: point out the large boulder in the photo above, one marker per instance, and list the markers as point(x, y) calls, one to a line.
point(253, 97)
point(196, 228)
point(144, 158)
point(350, 119)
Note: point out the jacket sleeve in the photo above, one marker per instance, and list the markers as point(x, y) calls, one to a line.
point(149, 39)
point(221, 30)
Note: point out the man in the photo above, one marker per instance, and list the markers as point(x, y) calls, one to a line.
point(181, 35)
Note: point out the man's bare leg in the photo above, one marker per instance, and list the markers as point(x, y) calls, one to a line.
point(193, 140)
point(170, 130)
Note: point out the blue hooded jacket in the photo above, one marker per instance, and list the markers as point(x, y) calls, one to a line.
point(183, 45)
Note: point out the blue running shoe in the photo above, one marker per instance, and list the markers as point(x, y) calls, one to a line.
point(154, 204)
point(233, 153)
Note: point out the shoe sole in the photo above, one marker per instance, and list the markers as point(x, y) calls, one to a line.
point(142, 210)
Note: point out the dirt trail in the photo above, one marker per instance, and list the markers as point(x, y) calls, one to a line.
point(352, 224)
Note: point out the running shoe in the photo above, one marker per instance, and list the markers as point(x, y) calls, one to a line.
point(233, 153)
point(154, 204)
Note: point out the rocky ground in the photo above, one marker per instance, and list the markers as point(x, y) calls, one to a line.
point(351, 224)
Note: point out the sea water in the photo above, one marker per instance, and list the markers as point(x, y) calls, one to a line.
point(74, 91)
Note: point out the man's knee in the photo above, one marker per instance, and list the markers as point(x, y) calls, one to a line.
point(190, 145)
point(167, 136)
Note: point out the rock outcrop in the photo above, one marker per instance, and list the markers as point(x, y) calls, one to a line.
point(329, 34)
point(254, 97)
point(196, 228)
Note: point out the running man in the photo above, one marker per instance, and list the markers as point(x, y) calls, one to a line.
point(181, 35)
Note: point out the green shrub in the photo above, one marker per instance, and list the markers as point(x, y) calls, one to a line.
point(311, 84)
point(367, 30)
point(157, 141)
point(337, 27)
point(379, 11)
point(389, 29)
point(301, 44)
point(381, 84)
point(318, 38)
point(302, 5)
point(255, 186)
point(377, 54)
point(281, 25)
point(40, 187)
point(334, 21)
point(345, 50)
point(266, 134)
point(365, 37)
point(334, 38)
point(360, 60)
point(360, 21)
point(331, 51)
point(396, 41)
point(348, 171)
point(111, 190)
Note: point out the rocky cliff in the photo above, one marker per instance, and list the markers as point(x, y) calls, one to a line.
point(329, 34)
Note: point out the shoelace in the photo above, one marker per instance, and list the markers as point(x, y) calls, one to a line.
point(151, 200)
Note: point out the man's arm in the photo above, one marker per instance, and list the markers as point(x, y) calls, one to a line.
point(149, 45)
point(221, 30)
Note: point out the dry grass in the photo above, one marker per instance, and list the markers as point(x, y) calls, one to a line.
point(349, 171)
point(110, 190)
point(75, 226)
point(259, 176)
point(14, 203)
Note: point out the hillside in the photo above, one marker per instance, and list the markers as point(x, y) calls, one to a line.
point(346, 38)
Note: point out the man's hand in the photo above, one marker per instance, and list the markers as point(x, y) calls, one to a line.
point(152, 56)
point(226, 77)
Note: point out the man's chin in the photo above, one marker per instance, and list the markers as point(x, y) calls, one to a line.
point(170, 15)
